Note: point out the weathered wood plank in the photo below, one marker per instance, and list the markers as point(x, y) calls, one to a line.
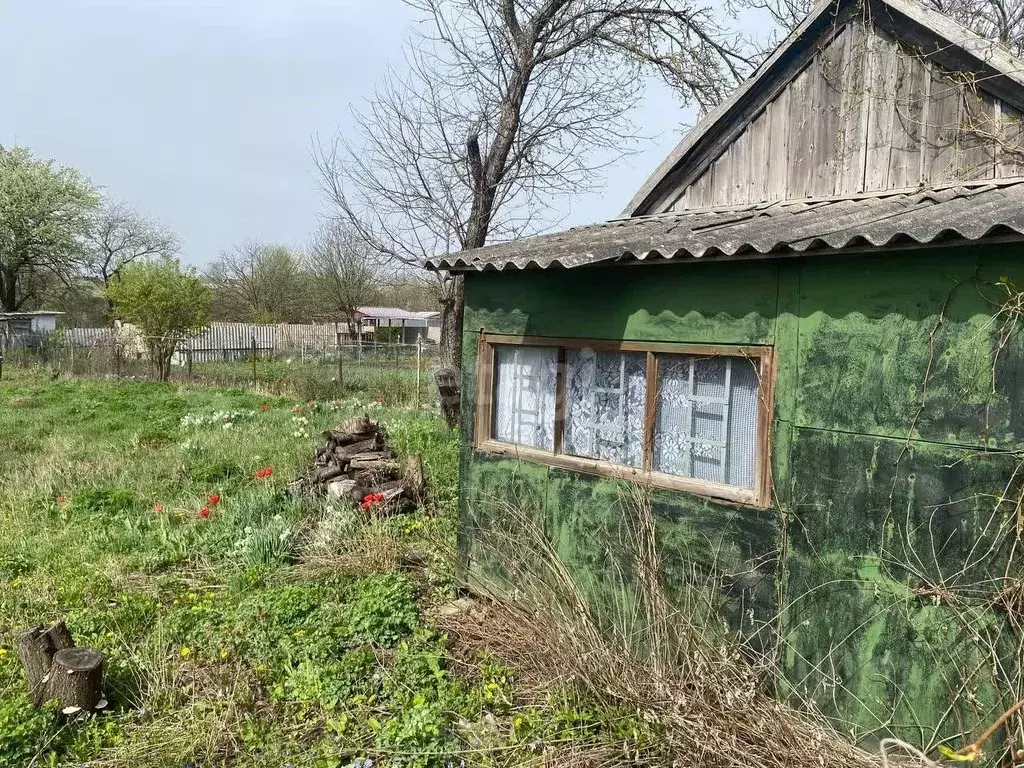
point(800, 148)
point(757, 160)
point(905, 155)
point(740, 170)
point(700, 189)
point(944, 104)
point(884, 56)
point(826, 106)
point(976, 137)
point(853, 118)
point(1011, 143)
point(722, 178)
point(778, 148)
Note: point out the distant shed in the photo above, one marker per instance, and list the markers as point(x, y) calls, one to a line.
point(27, 329)
point(797, 337)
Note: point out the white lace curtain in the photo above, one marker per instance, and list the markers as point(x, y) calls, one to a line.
point(705, 421)
point(524, 395)
point(605, 393)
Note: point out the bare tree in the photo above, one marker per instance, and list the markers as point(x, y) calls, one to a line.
point(346, 272)
point(504, 104)
point(998, 20)
point(119, 236)
point(258, 282)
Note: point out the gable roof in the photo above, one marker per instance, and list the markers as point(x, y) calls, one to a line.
point(935, 35)
point(955, 215)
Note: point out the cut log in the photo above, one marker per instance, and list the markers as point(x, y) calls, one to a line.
point(326, 474)
point(365, 446)
point(339, 489)
point(357, 424)
point(36, 655)
point(338, 440)
point(353, 430)
point(59, 637)
point(76, 678)
point(379, 463)
point(36, 649)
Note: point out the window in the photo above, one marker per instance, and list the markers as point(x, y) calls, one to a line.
point(693, 418)
point(524, 396)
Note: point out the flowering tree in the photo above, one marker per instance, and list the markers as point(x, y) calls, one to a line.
point(166, 303)
point(44, 214)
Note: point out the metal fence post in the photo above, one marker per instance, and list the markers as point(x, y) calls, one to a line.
point(188, 361)
point(254, 360)
point(419, 357)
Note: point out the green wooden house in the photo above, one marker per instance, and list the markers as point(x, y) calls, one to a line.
point(801, 335)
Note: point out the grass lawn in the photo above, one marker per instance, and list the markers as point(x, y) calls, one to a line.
point(275, 631)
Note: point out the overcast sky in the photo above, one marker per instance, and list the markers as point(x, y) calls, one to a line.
point(200, 113)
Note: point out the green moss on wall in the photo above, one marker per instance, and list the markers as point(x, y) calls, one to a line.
point(866, 522)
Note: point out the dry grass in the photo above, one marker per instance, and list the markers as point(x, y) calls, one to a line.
point(698, 689)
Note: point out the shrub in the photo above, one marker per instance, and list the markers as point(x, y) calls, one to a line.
point(384, 609)
point(24, 730)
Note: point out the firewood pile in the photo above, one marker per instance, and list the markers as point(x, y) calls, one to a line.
point(357, 466)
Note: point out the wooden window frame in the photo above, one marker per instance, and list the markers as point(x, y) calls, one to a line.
point(483, 431)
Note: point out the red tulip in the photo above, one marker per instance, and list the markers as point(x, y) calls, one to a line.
point(61, 499)
point(214, 499)
point(158, 507)
point(204, 512)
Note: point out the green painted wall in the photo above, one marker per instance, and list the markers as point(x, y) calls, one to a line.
point(884, 483)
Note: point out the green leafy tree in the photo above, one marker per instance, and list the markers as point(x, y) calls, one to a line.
point(45, 211)
point(166, 303)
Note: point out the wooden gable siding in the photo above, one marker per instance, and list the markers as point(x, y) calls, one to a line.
point(865, 115)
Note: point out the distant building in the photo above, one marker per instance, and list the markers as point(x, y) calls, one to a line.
point(27, 329)
point(412, 325)
point(433, 325)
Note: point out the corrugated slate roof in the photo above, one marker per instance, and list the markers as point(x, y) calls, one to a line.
point(960, 213)
point(390, 313)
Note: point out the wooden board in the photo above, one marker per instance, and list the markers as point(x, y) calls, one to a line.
point(853, 117)
point(778, 148)
point(1011, 143)
point(940, 129)
point(758, 153)
point(883, 63)
point(800, 149)
point(826, 108)
point(975, 156)
point(907, 119)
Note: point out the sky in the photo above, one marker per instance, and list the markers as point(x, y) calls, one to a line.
point(201, 113)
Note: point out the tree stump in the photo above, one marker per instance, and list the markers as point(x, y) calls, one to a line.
point(36, 649)
point(56, 669)
point(76, 679)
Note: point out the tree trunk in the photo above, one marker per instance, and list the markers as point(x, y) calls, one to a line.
point(76, 678)
point(448, 377)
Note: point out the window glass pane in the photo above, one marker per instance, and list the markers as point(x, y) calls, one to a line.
point(605, 395)
point(524, 395)
point(706, 420)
